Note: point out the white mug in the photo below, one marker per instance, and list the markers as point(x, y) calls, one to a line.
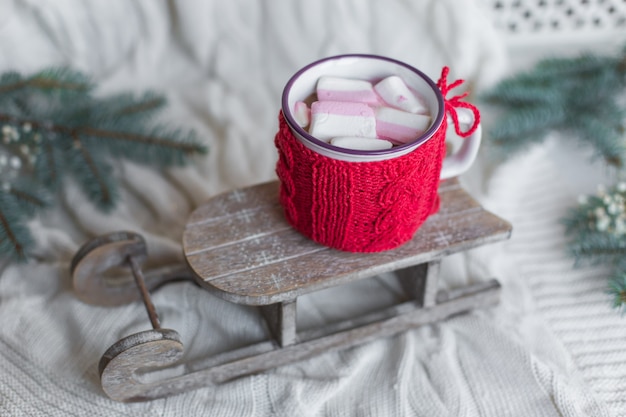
point(371, 67)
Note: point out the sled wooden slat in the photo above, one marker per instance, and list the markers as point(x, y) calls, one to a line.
point(242, 249)
point(239, 246)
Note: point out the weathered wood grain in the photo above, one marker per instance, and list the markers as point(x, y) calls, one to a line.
point(241, 226)
point(455, 199)
point(235, 201)
point(254, 257)
point(128, 374)
point(101, 274)
point(420, 282)
point(253, 253)
point(147, 351)
point(281, 321)
point(239, 246)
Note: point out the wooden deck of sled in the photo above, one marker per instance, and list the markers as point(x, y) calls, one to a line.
point(241, 249)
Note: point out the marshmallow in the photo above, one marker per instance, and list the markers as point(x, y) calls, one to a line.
point(400, 126)
point(346, 89)
point(330, 119)
point(395, 93)
point(302, 113)
point(361, 144)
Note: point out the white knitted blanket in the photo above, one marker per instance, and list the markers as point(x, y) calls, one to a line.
point(553, 347)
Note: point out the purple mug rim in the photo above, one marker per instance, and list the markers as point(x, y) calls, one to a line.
point(396, 149)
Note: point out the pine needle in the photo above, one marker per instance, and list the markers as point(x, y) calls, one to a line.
point(54, 129)
point(579, 97)
point(574, 95)
point(617, 289)
point(15, 238)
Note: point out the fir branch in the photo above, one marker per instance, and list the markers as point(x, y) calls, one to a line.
point(597, 235)
point(29, 197)
point(43, 83)
point(53, 129)
point(48, 165)
point(601, 135)
point(35, 123)
point(518, 92)
point(147, 104)
point(566, 68)
point(621, 66)
point(577, 96)
point(617, 289)
point(15, 238)
point(530, 123)
point(526, 121)
point(187, 147)
point(9, 242)
point(574, 95)
point(597, 249)
point(59, 79)
point(93, 175)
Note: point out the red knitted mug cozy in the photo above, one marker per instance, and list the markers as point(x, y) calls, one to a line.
point(363, 206)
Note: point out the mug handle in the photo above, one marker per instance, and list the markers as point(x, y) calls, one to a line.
point(460, 161)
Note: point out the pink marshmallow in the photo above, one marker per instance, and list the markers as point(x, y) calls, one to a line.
point(396, 93)
point(361, 144)
point(400, 126)
point(335, 118)
point(302, 113)
point(346, 89)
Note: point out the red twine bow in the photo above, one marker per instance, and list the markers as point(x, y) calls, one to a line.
point(455, 102)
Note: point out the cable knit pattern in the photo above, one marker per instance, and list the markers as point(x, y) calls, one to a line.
point(358, 206)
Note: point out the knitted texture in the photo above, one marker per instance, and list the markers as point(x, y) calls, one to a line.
point(358, 206)
point(365, 206)
point(455, 102)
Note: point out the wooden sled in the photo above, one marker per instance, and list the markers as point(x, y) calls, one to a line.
point(280, 266)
